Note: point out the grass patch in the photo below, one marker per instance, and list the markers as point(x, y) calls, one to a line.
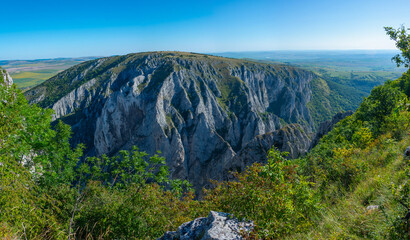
point(348, 218)
point(31, 79)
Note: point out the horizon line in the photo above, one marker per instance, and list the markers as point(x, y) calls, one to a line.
point(210, 53)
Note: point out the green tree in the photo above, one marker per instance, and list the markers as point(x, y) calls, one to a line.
point(402, 39)
point(26, 138)
point(46, 192)
point(379, 105)
point(125, 197)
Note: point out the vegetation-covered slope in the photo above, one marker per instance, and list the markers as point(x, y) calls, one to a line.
point(330, 98)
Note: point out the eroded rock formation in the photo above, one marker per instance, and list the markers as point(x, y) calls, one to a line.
point(207, 115)
point(5, 77)
point(217, 226)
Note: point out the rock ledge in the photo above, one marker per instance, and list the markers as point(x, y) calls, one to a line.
point(216, 226)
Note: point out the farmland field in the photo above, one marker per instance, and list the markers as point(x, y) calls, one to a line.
point(29, 73)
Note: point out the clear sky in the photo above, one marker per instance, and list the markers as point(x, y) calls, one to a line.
point(47, 29)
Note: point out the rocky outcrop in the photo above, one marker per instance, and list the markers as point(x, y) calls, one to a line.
point(327, 126)
point(217, 226)
point(407, 152)
point(204, 113)
point(5, 77)
point(291, 138)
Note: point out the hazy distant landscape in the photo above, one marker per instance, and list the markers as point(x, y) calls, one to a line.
point(28, 73)
point(360, 69)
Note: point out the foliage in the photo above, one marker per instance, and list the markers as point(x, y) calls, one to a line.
point(141, 212)
point(353, 166)
point(127, 168)
point(26, 140)
point(402, 40)
point(329, 98)
point(362, 137)
point(364, 81)
point(379, 105)
point(368, 208)
point(274, 196)
point(400, 226)
point(46, 193)
point(404, 83)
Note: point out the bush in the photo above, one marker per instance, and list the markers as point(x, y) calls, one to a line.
point(274, 196)
point(379, 105)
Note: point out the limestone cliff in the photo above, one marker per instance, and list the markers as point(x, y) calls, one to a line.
point(5, 77)
point(291, 138)
point(327, 126)
point(202, 112)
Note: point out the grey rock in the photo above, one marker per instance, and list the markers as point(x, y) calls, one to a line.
point(327, 126)
point(407, 152)
point(200, 111)
point(216, 226)
point(372, 208)
point(6, 77)
point(291, 138)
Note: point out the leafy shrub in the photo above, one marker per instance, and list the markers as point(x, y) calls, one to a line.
point(274, 196)
point(46, 193)
point(26, 140)
point(379, 105)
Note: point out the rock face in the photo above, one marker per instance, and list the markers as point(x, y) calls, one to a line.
point(291, 138)
point(204, 113)
point(216, 226)
point(327, 126)
point(5, 77)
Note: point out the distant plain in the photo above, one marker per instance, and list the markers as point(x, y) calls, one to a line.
point(29, 73)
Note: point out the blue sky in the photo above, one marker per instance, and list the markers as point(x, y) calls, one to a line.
point(49, 29)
